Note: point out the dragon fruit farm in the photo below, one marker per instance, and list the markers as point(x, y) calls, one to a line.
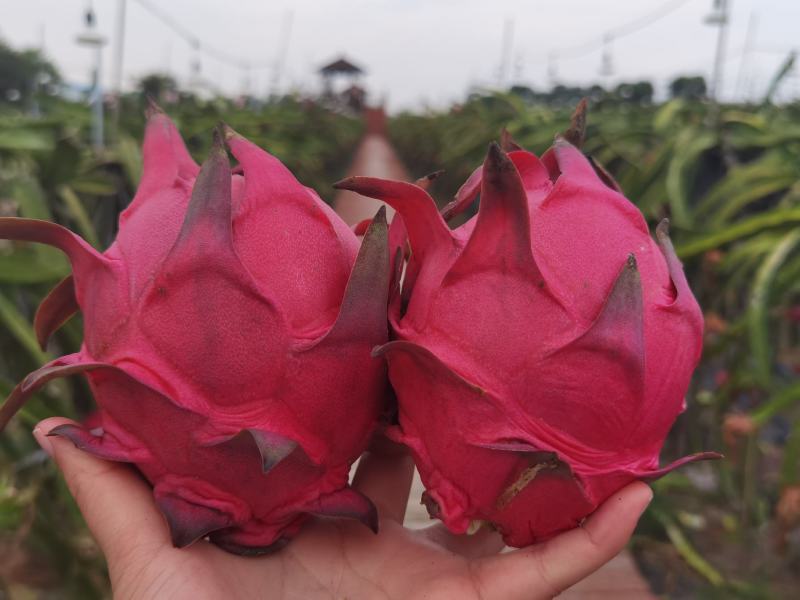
point(376, 324)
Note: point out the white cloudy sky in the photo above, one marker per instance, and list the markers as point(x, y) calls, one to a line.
point(417, 52)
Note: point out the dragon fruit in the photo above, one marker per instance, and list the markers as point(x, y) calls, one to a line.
point(543, 348)
point(228, 332)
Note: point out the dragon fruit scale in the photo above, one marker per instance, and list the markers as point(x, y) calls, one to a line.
point(542, 349)
point(228, 332)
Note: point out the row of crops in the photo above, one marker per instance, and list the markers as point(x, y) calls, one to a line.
point(49, 171)
point(729, 180)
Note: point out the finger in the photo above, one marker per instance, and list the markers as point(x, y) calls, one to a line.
point(116, 503)
point(549, 568)
point(384, 475)
point(484, 542)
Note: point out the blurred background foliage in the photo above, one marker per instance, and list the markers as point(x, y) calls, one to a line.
point(728, 177)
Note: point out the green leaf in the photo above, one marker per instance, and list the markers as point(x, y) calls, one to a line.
point(746, 184)
point(79, 215)
point(21, 329)
point(94, 186)
point(742, 229)
point(758, 325)
point(131, 158)
point(779, 402)
point(62, 165)
point(33, 264)
point(25, 140)
point(30, 199)
point(691, 144)
point(790, 469)
point(780, 75)
point(666, 116)
point(688, 552)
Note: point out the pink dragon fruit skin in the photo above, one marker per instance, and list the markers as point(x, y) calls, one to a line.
point(228, 333)
point(543, 348)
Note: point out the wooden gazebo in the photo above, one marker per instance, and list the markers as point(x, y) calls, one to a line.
point(340, 69)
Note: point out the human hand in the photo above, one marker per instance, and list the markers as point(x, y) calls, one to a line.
point(332, 558)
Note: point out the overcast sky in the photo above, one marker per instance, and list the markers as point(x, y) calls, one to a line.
point(417, 52)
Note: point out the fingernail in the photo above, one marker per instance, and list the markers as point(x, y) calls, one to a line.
point(43, 441)
point(649, 499)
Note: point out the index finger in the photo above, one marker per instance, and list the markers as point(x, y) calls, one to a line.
point(116, 503)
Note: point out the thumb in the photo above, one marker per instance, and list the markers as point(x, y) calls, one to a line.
point(116, 503)
point(549, 568)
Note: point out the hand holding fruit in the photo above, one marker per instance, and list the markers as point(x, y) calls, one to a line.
point(234, 335)
point(333, 558)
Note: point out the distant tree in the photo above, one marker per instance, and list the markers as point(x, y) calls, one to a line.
point(638, 92)
point(158, 86)
point(688, 88)
point(23, 73)
point(596, 93)
point(524, 92)
point(562, 95)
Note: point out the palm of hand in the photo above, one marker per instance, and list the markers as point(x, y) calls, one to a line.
point(327, 560)
point(334, 559)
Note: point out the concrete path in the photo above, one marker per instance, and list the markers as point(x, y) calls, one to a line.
point(619, 579)
point(376, 158)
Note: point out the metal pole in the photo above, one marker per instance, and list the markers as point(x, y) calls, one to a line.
point(552, 68)
point(749, 43)
point(719, 59)
point(92, 39)
point(35, 108)
point(280, 57)
point(507, 49)
point(97, 125)
point(119, 51)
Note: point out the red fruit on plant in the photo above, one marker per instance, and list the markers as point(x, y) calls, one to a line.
point(543, 348)
point(228, 332)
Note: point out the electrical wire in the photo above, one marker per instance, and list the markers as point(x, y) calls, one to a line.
point(197, 44)
point(624, 30)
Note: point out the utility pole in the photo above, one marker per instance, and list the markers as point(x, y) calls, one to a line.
point(280, 57)
point(119, 52)
point(92, 39)
point(38, 79)
point(552, 68)
point(195, 68)
point(506, 56)
point(744, 63)
point(607, 62)
point(719, 18)
point(247, 81)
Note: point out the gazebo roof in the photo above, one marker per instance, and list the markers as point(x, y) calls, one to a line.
point(341, 66)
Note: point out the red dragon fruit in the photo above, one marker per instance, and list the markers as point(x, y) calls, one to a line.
point(543, 348)
point(228, 332)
